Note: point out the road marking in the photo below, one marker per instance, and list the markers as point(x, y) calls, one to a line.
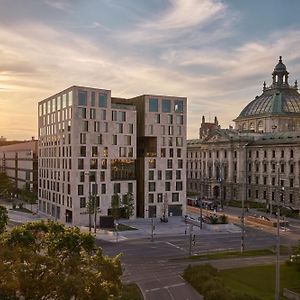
point(165, 287)
point(177, 247)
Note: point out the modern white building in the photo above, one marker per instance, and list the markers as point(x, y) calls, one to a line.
point(91, 143)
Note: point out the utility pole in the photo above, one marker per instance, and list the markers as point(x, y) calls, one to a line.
point(200, 210)
point(152, 230)
point(190, 239)
point(277, 279)
point(95, 214)
point(243, 204)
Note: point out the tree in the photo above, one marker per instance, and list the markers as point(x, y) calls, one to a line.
point(3, 218)
point(128, 204)
point(40, 260)
point(28, 196)
point(6, 185)
point(115, 206)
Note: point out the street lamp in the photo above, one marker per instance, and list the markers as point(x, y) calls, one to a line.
point(243, 203)
point(277, 275)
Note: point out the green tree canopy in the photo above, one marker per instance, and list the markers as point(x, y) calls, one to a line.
point(128, 204)
point(42, 260)
point(6, 185)
point(3, 218)
point(115, 206)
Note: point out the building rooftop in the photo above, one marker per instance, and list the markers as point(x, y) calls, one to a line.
point(278, 99)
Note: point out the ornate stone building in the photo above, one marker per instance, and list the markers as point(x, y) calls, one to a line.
point(259, 160)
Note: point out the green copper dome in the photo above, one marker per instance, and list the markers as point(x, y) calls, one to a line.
point(279, 98)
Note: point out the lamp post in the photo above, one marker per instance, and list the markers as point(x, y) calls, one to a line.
point(89, 203)
point(200, 210)
point(277, 275)
point(243, 203)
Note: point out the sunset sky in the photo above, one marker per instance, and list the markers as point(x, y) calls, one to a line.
point(216, 53)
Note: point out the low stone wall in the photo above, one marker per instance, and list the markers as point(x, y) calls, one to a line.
point(291, 295)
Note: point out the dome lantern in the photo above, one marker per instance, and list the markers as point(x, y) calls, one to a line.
point(280, 74)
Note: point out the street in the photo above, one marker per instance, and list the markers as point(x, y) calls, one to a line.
point(148, 263)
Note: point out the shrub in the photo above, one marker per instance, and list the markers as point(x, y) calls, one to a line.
point(223, 219)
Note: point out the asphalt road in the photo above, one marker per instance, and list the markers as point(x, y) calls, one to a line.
point(148, 263)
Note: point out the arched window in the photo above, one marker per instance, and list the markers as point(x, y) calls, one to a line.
point(260, 126)
point(244, 126)
point(252, 126)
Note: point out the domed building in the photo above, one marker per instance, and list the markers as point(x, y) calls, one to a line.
point(259, 160)
point(277, 109)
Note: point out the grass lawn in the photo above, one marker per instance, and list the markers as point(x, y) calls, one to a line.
point(132, 292)
point(259, 281)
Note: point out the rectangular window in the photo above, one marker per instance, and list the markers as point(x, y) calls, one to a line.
point(152, 163)
point(120, 128)
point(178, 174)
point(166, 105)
point(168, 175)
point(157, 118)
point(170, 119)
point(114, 115)
point(94, 151)
point(151, 186)
point(104, 164)
point(82, 98)
point(83, 151)
point(93, 99)
point(102, 100)
point(102, 176)
point(159, 175)
point(85, 126)
point(159, 198)
point(82, 112)
point(122, 116)
point(92, 113)
point(151, 175)
point(117, 188)
point(130, 128)
point(180, 163)
point(96, 126)
point(179, 119)
point(103, 114)
point(114, 139)
point(122, 151)
point(130, 152)
point(127, 140)
point(82, 202)
point(99, 139)
point(175, 197)
point(178, 152)
point(150, 198)
point(103, 188)
point(80, 189)
point(169, 164)
point(82, 138)
point(167, 186)
point(94, 164)
point(153, 105)
point(178, 185)
point(130, 187)
point(178, 106)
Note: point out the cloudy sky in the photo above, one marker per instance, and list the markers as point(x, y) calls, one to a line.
point(215, 52)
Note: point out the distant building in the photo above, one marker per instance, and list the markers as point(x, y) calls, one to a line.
point(259, 160)
point(92, 143)
point(19, 161)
